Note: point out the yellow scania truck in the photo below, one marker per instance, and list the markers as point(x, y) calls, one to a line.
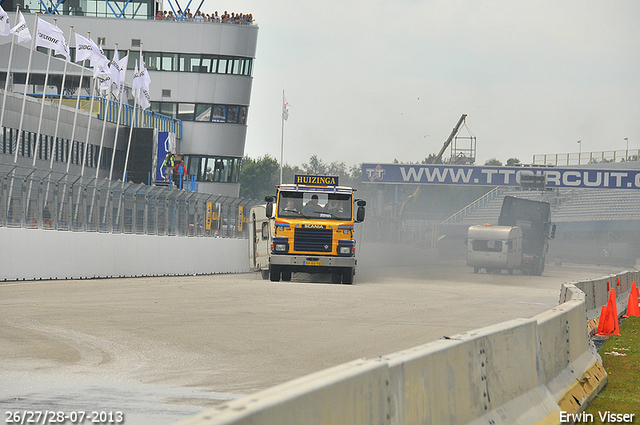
point(307, 227)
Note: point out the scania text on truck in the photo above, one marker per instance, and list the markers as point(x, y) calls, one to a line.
point(307, 227)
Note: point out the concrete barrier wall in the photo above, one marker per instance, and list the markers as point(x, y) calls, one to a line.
point(525, 371)
point(597, 291)
point(47, 254)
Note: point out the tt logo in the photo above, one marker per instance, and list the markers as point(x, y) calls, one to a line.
point(376, 173)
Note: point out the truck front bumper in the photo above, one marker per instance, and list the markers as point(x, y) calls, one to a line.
point(313, 264)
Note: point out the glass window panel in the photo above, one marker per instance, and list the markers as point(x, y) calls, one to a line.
point(237, 67)
point(208, 167)
point(155, 107)
point(133, 56)
point(218, 114)
point(170, 62)
point(207, 63)
point(186, 111)
point(187, 63)
point(153, 60)
point(232, 114)
point(203, 113)
point(242, 115)
point(222, 66)
point(168, 109)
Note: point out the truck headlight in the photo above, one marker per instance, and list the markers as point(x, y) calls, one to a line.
point(345, 250)
point(280, 245)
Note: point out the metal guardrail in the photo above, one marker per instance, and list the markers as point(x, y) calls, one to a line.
point(44, 199)
point(474, 206)
point(599, 157)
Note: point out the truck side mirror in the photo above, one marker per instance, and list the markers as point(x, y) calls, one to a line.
point(269, 211)
point(360, 215)
point(553, 231)
point(360, 211)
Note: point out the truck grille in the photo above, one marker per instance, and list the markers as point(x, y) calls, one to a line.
point(314, 240)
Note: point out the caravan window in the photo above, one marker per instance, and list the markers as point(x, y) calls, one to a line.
point(486, 245)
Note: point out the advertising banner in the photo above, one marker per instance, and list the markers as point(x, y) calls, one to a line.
point(593, 178)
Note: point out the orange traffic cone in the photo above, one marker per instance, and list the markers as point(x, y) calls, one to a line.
point(633, 308)
point(609, 317)
point(603, 315)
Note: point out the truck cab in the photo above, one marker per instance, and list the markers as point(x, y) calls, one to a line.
point(311, 229)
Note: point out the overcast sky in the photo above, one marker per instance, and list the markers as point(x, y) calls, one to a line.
point(374, 81)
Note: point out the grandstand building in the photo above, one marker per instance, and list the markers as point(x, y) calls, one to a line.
point(594, 226)
point(201, 78)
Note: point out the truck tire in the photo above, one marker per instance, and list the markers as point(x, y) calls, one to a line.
point(347, 277)
point(265, 274)
point(476, 269)
point(286, 275)
point(274, 274)
point(539, 267)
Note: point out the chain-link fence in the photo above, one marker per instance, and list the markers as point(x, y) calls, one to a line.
point(43, 199)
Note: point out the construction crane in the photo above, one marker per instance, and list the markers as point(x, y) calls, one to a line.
point(433, 160)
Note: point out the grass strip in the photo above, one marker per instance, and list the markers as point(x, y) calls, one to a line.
point(621, 359)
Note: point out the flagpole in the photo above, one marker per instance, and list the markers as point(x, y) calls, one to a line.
point(92, 87)
point(6, 81)
point(282, 139)
point(126, 157)
point(104, 122)
point(115, 139)
point(75, 113)
point(64, 77)
point(26, 85)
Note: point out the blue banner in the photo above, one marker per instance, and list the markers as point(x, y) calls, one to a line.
point(593, 178)
point(165, 144)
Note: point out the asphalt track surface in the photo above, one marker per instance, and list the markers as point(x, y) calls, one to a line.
point(160, 349)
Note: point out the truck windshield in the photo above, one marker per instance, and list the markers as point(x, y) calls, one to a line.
point(330, 206)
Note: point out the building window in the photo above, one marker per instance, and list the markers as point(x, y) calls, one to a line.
point(186, 111)
point(213, 169)
point(202, 112)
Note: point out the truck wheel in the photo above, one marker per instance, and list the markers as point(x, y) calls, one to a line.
point(286, 275)
point(347, 277)
point(274, 274)
point(265, 274)
point(336, 277)
point(539, 268)
point(476, 269)
point(510, 271)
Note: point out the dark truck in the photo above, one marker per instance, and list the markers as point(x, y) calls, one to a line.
point(534, 218)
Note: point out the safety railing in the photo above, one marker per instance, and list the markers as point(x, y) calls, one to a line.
point(580, 158)
point(41, 199)
point(486, 198)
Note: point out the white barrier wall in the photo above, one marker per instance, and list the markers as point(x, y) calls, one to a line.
point(47, 254)
point(525, 371)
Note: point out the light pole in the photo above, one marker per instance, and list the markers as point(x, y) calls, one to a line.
point(579, 151)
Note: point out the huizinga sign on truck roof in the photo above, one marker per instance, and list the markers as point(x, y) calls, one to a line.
point(311, 180)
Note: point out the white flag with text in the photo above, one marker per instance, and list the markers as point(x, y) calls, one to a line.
point(21, 30)
point(51, 37)
point(87, 49)
point(5, 25)
point(285, 108)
